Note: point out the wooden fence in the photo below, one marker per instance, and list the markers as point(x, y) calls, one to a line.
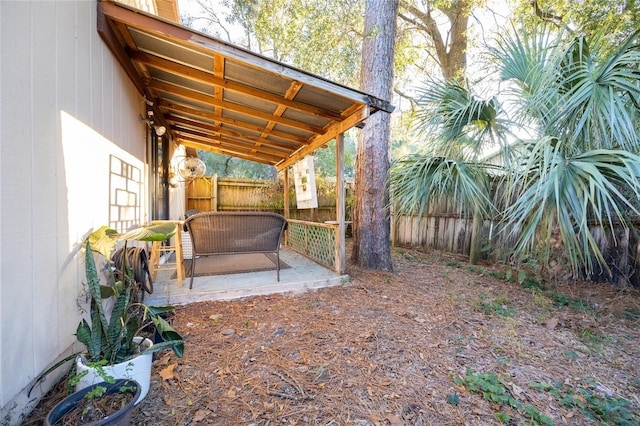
point(211, 193)
point(452, 233)
point(445, 228)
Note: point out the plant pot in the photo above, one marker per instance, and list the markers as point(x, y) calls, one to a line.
point(138, 369)
point(120, 417)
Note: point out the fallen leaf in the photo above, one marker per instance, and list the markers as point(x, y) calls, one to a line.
point(167, 372)
point(395, 420)
point(231, 393)
point(200, 415)
point(551, 323)
point(517, 390)
point(480, 412)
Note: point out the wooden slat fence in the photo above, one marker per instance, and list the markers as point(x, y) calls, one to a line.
point(446, 227)
point(211, 193)
point(452, 233)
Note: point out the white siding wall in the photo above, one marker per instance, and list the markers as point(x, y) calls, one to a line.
point(65, 106)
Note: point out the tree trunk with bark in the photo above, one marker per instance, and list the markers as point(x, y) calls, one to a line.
point(450, 47)
point(372, 245)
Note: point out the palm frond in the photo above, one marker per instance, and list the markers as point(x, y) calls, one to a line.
point(597, 107)
point(419, 181)
point(572, 195)
point(463, 122)
point(523, 55)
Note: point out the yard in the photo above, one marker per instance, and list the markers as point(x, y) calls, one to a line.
point(437, 342)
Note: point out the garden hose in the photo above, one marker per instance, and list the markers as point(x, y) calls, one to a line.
point(138, 262)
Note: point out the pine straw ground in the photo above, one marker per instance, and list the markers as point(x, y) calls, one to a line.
point(403, 348)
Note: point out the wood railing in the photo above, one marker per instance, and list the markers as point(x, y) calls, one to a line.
point(316, 241)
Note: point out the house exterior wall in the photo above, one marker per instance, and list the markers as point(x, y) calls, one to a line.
point(67, 113)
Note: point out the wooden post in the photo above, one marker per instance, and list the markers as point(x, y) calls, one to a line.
point(214, 192)
point(474, 250)
point(340, 205)
point(286, 192)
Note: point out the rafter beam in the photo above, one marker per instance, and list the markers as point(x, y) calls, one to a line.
point(211, 100)
point(219, 82)
point(176, 108)
point(182, 124)
point(358, 116)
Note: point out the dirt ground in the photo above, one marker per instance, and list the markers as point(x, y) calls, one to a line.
point(436, 342)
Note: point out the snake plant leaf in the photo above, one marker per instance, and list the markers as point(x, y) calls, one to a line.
point(118, 311)
point(97, 337)
point(83, 333)
point(93, 283)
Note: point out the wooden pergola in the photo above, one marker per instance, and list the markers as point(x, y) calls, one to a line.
point(215, 96)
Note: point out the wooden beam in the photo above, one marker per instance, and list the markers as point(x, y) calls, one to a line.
point(340, 206)
point(176, 108)
point(219, 82)
point(218, 147)
point(211, 129)
point(357, 117)
point(230, 106)
point(186, 133)
point(111, 40)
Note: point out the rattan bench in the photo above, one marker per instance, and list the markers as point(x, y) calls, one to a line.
point(216, 233)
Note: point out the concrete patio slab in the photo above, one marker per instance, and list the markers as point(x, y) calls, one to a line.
point(302, 275)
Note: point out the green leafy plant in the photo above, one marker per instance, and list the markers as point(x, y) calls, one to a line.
point(579, 305)
point(594, 401)
point(499, 305)
point(111, 337)
point(490, 386)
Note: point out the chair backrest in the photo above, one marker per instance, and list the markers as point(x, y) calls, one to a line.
point(192, 212)
point(235, 232)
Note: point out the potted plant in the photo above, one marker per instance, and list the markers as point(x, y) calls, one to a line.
point(113, 338)
point(105, 403)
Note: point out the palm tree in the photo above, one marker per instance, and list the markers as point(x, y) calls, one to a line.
point(580, 173)
point(461, 126)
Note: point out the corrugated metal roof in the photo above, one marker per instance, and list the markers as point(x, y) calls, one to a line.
point(219, 97)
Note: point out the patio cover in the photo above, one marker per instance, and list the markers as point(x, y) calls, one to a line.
point(215, 96)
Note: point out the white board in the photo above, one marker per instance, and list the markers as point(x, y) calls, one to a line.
point(305, 182)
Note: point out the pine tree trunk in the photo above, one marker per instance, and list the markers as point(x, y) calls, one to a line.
point(372, 245)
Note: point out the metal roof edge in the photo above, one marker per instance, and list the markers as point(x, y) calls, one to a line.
point(254, 59)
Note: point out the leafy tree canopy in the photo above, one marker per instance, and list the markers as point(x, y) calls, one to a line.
point(225, 166)
point(620, 17)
